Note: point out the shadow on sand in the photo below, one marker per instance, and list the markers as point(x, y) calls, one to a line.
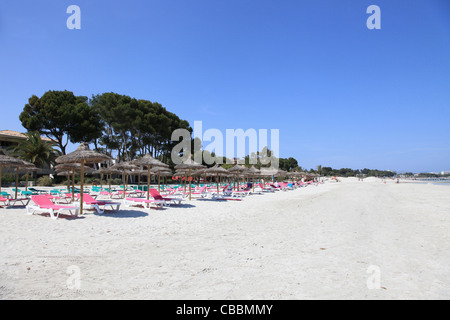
point(182, 205)
point(125, 213)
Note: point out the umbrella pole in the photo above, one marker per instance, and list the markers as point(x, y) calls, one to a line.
point(17, 180)
point(159, 188)
point(26, 185)
point(82, 186)
point(217, 181)
point(148, 182)
point(123, 178)
point(73, 184)
point(0, 178)
point(189, 184)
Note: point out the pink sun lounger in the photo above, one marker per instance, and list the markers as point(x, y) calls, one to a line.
point(128, 202)
point(44, 204)
point(170, 200)
point(96, 204)
point(11, 202)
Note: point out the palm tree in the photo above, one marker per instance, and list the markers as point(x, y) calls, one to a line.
point(36, 150)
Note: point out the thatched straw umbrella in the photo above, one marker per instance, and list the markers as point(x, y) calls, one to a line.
point(28, 166)
point(217, 170)
point(138, 173)
point(149, 162)
point(281, 173)
point(190, 165)
point(165, 174)
point(198, 173)
point(124, 166)
point(268, 172)
point(19, 165)
point(237, 170)
point(253, 172)
point(67, 173)
point(82, 155)
point(160, 171)
point(70, 168)
point(108, 171)
point(182, 173)
point(7, 161)
point(294, 175)
point(100, 171)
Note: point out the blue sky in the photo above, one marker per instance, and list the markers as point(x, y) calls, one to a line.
point(340, 94)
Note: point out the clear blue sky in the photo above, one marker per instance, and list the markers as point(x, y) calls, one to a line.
point(342, 95)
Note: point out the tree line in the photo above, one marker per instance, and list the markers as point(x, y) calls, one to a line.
point(112, 122)
point(347, 172)
point(124, 128)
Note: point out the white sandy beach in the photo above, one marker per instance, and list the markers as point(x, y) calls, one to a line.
point(310, 243)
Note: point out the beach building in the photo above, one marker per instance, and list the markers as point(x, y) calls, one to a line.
point(9, 138)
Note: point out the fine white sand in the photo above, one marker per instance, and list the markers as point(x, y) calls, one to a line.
point(346, 240)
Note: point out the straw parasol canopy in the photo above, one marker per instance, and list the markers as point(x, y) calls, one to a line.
point(190, 165)
point(268, 171)
point(160, 171)
point(138, 173)
point(63, 173)
point(7, 161)
point(82, 155)
point(253, 172)
point(237, 170)
point(218, 171)
point(108, 171)
point(149, 162)
point(124, 167)
point(70, 168)
point(22, 164)
point(28, 166)
point(281, 173)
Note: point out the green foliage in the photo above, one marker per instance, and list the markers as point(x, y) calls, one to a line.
point(347, 172)
point(132, 127)
point(35, 150)
point(44, 181)
point(62, 116)
point(116, 181)
point(429, 175)
point(287, 164)
point(8, 177)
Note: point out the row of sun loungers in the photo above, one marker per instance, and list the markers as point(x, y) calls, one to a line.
point(54, 202)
